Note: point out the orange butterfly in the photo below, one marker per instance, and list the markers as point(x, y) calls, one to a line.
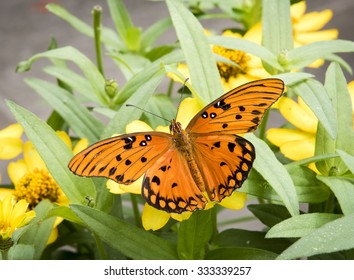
point(181, 168)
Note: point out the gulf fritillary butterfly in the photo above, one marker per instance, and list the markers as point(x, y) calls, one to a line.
point(185, 166)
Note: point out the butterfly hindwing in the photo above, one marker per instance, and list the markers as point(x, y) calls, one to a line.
point(122, 158)
point(169, 186)
point(224, 161)
point(239, 110)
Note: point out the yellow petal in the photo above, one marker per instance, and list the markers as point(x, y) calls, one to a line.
point(235, 201)
point(16, 170)
point(181, 217)
point(12, 131)
point(10, 147)
point(7, 206)
point(116, 188)
point(80, 145)
point(297, 150)
point(32, 159)
point(5, 192)
point(310, 37)
point(254, 34)
point(351, 88)
point(298, 10)
point(296, 115)
point(53, 236)
point(280, 136)
point(65, 138)
point(313, 21)
point(154, 219)
point(137, 126)
point(187, 110)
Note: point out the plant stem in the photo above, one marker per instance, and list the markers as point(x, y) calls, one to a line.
point(263, 125)
point(170, 88)
point(136, 210)
point(100, 248)
point(97, 12)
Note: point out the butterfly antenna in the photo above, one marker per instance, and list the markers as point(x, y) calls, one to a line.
point(131, 105)
point(181, 97)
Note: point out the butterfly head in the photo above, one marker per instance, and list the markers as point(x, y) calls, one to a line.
point(176, 127)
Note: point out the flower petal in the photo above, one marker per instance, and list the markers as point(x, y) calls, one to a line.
point(12, 131)
point(116, 188)
point(16, 170)
point(65, 137)
point(235, 201)
point(310, 37)
point(154, 219)
point(313, 21)
point(10, 147)
point(297, 150)
point(280, 136)
point(181, 217)
point(5, 192)
point(188, 108)
point(137, 126)
point(296, 115)
point(32, 159)
point(298, 10)
point(80, 145)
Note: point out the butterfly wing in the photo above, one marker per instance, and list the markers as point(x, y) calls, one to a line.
point(239, 110)
point(224, 161)
point(123, 158)
point(169, 186)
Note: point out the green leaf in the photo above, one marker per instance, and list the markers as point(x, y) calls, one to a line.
point(293, 77)
point(108, 37)
point(21, 252)
point(90, 71)
point(121, 19)
point(250, 239)
point(133, 242)
point(65, 213)
point(248, 47)
point(301, 225)
point(343, 189)
point(38, 234)
point(161, 105)
point(73, 112)
point(332, 237)
point(137, 91)
point(151, 34)
point(277, 32)
point(198, 54)
point(337, 90)
point(269, 214)
point(275, 174)
point(308, 187)
point(306, 54)
point(194, 235)
point(75, 81)
point(348, 160)
point(315, 96)
point(239, 253)
point(55, 153)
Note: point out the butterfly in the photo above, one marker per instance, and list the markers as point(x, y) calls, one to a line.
point(186, 168)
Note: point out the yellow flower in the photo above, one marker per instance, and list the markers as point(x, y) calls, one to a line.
point(32, 180)
point(13, 215)
point(152, 218)
point(10, 141)
point(306, 27)
point(298, 143)
point(249, 67)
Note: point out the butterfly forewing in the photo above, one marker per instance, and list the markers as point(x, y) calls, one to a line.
point(224, 161)
point(238, 111)
point(123, 158)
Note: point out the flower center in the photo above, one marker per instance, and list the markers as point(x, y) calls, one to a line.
point(36, 186)
point(227, 70)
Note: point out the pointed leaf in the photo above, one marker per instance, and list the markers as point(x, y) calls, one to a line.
point(239, 253)
point(133, 242)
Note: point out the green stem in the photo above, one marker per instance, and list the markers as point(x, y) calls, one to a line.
point(101, 251)
point(136, 210)
point(330, 204)
point(170, 88)
point(97, 12)
point(263, 126)
point(237, 220)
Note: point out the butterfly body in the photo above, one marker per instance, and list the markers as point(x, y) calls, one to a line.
point(186, 168)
